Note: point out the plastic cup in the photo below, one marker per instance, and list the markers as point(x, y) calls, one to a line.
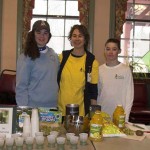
point(68, 135)
point(29, 142)
point(38, 133)
point(51, 140)
point(74, 142)
point(25, 135)
point(10, 141)
point(3, 136)
point(1, 143)
point(83, 138)
point(61, 143)
point(39, 141)
point(15, 135)
point(19, 143)
point(54, 133)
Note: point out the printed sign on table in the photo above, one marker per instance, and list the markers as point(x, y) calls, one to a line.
point(6, 117)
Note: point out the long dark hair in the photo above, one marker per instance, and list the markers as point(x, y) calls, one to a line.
point(82, 29)
point(31, 48)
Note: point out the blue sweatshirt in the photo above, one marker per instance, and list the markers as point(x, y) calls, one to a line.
point(36, 80)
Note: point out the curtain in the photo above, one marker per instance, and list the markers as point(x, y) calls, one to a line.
point(83, 7)
point(28, 5)
point(121, 7)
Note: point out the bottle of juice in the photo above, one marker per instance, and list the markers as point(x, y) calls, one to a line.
point(96, 124)
point(119, 117)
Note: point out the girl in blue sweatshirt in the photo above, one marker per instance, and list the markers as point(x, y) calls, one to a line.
point(37, 67)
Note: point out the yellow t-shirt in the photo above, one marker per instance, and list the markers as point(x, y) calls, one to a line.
point(72, 82)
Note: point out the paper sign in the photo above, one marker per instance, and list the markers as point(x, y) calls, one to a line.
point(6, 116)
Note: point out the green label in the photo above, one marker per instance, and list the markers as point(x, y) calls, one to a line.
point(121, 121)
point(95, 131)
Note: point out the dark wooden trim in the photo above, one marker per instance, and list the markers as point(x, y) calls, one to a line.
point(1, 13)
point(19, 27)
point(91, 24)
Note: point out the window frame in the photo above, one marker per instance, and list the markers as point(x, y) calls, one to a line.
point(19, 44)
point(63, 17)
point(133, 57)
point(113, 21)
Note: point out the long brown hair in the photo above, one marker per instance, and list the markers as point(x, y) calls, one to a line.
point(31, 48)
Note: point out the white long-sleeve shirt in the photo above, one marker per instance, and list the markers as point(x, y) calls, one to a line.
point(115, 87)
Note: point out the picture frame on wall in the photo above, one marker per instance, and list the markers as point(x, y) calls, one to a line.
point(7, 120)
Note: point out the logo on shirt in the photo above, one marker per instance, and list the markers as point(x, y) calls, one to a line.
point(82, 70)
point(119, 76)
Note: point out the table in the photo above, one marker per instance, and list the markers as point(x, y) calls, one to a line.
point(118, 143)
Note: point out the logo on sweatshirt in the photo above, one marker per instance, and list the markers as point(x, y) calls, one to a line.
point(119, 76)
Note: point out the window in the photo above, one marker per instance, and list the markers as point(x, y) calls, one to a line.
point(135, 40)
point(61, 15)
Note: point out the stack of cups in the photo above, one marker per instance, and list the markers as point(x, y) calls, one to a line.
point(34, 121)
point(27, 126)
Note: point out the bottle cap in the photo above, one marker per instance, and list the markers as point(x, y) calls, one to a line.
point(97, 112)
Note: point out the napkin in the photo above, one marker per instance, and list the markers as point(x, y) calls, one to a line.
point(136, 127)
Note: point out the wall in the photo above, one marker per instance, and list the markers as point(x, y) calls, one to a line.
point(9, 22)
point(9, 31)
